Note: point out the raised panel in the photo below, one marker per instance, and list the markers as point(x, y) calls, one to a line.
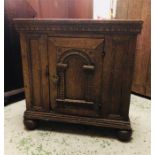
point(37, 57)
point(75, 79)
point(78, 83)
point(117, 76)
point(35, 70)
point(26, 72)
point(120, 49)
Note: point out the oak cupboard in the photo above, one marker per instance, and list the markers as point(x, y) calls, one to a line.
point(78, 71)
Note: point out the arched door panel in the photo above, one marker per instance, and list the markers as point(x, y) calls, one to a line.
point(75, 78)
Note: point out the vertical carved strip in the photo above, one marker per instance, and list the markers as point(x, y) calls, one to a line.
point(61, 94)
point(88, 88)
point(89, 70)
point(61, 73)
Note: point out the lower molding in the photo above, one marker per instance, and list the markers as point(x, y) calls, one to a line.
point(51, 116)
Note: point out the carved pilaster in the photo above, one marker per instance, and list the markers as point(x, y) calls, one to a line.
point(61, 73)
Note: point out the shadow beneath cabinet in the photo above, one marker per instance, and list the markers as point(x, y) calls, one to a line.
point(77, 129)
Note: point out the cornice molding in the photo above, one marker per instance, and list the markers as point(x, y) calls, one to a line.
point(97, 26)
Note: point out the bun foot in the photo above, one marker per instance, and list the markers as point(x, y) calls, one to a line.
point(30, 124)
point(124, 135)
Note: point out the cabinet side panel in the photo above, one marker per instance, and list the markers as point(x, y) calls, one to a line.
point(120, 47)
point(37, 65)
point(117, 75)
point(52, 72)
point(26, 70)
point(44, 71)
point(128, 77)
point(107, 76)
point(36, 72)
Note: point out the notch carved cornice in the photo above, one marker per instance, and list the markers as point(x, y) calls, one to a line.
point(94, 26)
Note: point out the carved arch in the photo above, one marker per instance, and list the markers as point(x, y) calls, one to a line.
point(69, 53)
point(62, 65)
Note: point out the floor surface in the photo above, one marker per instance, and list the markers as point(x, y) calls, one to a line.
point(68, 139)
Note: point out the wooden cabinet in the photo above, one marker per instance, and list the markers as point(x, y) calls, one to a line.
point(75, 76)
point(78, 71)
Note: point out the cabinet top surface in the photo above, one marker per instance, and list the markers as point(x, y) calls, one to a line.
point(84, 25)
point(74, 20)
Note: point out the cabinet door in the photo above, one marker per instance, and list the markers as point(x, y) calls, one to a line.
point(75, 75)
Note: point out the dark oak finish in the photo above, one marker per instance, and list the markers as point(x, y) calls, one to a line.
point(79, 71)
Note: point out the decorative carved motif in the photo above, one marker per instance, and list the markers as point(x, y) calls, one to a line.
point(88, 70)
point(64, 58)
point(61, 91)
